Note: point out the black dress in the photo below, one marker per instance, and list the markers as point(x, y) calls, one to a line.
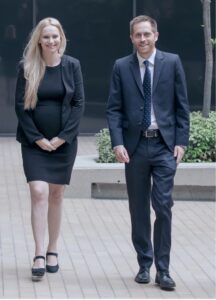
point(55, 166)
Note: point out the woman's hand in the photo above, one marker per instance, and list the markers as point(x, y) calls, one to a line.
point(45, 145)
point(57, 142)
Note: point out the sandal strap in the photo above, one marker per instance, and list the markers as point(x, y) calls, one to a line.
point(52, 253)
point(38, 257)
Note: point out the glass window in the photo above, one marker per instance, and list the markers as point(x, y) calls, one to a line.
point(97, 33)
point(181, 32)
point(15, 24)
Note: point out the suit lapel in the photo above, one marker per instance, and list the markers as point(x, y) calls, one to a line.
point(134, 65)
point(159, 61)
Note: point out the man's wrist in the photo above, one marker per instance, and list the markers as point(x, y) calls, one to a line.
point(116, 147)
point(183, 147)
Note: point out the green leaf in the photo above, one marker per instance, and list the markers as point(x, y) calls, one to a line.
point(202, 140)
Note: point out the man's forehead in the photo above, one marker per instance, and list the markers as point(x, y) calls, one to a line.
point(143, 27)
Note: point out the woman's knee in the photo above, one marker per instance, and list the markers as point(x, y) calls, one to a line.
point(39, 192)
point(56, 194)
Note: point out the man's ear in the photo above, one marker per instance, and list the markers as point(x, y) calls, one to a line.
point(156, 36)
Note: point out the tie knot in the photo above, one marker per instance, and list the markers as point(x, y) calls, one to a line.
point(146, 63)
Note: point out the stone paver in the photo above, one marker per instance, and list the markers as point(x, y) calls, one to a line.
point(96, 256)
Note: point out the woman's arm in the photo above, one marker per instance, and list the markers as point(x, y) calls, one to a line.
point(71, 128)
point(24, 116)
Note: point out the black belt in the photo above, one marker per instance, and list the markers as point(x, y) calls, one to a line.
point(151, 133)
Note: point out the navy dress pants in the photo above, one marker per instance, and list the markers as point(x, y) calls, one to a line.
point(149, 177)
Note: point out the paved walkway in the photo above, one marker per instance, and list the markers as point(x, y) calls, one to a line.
point(96, 256)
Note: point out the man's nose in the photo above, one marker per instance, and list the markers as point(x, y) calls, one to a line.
point(142, 37)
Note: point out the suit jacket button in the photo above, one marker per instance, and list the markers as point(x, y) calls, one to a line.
point(140, 123)
point(141, 107)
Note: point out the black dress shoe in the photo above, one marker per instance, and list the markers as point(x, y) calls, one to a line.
point(49, 268)
point(143, 276)
point(165, 281)
point(38, 273)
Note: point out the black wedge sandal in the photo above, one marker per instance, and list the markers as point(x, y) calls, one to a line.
point(52, 269)
point(38, 273)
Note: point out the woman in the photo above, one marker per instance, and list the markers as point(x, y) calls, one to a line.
point(49, 105)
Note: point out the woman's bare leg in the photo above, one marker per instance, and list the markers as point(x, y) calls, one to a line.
point(39, 202)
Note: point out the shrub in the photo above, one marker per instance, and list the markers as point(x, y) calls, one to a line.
point(103, 142)
point(202, 147)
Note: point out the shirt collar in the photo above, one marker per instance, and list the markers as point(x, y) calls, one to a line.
point(151, 58)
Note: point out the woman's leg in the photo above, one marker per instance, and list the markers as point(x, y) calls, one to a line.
point(39, 202)
point(56, 194)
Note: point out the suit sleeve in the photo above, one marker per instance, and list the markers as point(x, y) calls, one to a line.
point(114, 108)
point(71, 128)
point(24, 116)
point(182, 106)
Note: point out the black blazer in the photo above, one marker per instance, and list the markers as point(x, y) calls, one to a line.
point(72, 106)
point(169, 99)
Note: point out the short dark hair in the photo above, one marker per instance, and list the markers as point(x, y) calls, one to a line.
point(143, 18)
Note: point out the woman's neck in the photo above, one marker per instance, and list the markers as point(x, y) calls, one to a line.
point(52, 60)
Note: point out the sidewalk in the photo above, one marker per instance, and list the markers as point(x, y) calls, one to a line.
point(96, 256)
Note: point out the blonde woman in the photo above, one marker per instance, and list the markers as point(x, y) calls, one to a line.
point(49, 105)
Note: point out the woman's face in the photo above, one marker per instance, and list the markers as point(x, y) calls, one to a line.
point(50, 39)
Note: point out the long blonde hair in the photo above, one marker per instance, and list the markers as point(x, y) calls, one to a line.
point(34, 65)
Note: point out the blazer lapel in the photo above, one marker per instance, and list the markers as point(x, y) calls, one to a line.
point(159, 61)
point(134, 65)
point(65, 78)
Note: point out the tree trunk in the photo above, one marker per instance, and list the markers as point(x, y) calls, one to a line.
point(209, 58)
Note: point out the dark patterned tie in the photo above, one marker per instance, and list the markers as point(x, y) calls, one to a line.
point(147, 96)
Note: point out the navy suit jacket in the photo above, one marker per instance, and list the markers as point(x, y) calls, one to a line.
point(72, 106)
point(169, 99)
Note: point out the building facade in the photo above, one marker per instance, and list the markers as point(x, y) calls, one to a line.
point(98, 33)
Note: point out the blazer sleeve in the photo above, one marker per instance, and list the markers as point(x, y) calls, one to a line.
point(71, 128)
point(114, 108)
point(182, 106)
point(25, 116)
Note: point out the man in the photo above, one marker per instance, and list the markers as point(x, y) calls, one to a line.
point(148, 117)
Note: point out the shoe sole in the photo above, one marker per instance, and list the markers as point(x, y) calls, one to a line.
point(164, 287)
point(37, 278)
point(142, 281)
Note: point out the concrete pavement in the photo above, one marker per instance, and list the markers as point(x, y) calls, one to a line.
point(96, 256)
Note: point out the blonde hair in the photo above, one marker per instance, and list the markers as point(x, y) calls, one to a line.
point(34, 65)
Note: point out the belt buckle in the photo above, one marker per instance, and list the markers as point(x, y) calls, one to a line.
point(151, 133)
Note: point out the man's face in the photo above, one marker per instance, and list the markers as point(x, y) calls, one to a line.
point(144, 38)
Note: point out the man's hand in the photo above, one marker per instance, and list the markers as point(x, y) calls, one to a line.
point(178, 153)
point(121, 154)
point(57, 142)
point(45, 145)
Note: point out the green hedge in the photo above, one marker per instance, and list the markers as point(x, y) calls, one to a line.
point(202, 147)
point(103, 142)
